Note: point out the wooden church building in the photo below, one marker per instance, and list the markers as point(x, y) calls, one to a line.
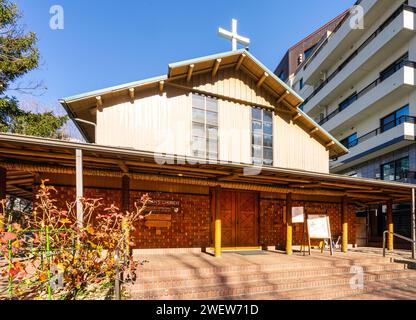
point(220, 145)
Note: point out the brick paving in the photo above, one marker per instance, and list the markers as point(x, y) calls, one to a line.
point(271, 276)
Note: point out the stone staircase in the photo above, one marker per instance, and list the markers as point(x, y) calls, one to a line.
point(299, 280)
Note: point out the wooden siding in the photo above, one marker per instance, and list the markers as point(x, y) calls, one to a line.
point(296, 149)
point(163, 123)
point(153, 122)
point(231, 83)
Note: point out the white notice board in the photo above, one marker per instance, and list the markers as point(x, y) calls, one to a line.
point(319, 227)
point(298, 215)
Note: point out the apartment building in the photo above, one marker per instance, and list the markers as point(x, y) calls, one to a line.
point(359, 85)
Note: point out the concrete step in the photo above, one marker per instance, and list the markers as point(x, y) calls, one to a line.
point(299, 288)
point(265, 276)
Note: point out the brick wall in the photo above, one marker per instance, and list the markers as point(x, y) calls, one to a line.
point(190, 226)
point(109, 197)
point(273, 230)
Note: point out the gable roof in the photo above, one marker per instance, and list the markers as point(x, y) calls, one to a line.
point(78, 107)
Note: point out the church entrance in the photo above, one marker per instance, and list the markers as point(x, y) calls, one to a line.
point(239, 219)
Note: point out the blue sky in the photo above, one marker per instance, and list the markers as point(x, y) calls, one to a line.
point(106, 43)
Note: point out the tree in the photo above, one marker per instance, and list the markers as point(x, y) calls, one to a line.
point(18, 56)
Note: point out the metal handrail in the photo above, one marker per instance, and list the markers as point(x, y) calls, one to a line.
point(400, 237)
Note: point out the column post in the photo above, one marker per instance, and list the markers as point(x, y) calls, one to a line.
point(413, 219)
point(344, 219)
point(390, 226)
point(289, 228)
point(125, 193)
point(79, 186)
point(217, 240)
point(3, 187)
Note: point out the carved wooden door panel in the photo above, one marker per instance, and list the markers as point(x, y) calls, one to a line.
point(239, 218)
point(228, 218)
point(247, 219)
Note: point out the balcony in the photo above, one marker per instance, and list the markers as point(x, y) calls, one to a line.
point(381, 92)
point(394, 33)
point(339, 42)
point(393, 136)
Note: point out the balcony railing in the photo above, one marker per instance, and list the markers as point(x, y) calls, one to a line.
point(378, 131)
point(325, 40)
point(395, 68)
point(386, 23)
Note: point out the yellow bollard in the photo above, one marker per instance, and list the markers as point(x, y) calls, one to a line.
point(345, 237)
point(289, 228)
point(390, 226)
point(289, 239)
point(391, 238)
point(344, 221)
point(218, 252)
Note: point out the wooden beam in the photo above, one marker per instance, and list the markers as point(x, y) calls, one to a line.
point(161, 86)
point(240, 62)
point(305, 185)
point(364, 191)
point(190, 71)
point(123, 166)
point(296, 117)
point(99, 102)
point(313, 131)
point(262, 79)
point(20, 181)
point(283, 111)
point(282, 97)
point(131, 93)
point(329, 145)
point(217, 64)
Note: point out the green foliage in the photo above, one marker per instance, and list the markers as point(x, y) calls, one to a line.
point(18, 56)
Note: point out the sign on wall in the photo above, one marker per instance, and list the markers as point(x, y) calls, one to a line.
point(298, 215)
point(161, 214)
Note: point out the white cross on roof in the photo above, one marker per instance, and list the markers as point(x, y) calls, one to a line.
point(234, 36)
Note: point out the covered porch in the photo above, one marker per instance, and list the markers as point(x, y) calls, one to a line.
point(25, 161)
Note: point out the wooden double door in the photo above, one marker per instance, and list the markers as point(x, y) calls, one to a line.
point(239, 218)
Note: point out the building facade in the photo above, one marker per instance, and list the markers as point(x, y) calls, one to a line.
point(222, 149)
point(359, 84)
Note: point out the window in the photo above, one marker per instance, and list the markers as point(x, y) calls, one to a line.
point(301, 84)
point(347, 102)
point(395, 170)
point(309, 52)
point(204, 127)
point(350, 141)
point(262, 136)
point(394, 119)
point(282, 76)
